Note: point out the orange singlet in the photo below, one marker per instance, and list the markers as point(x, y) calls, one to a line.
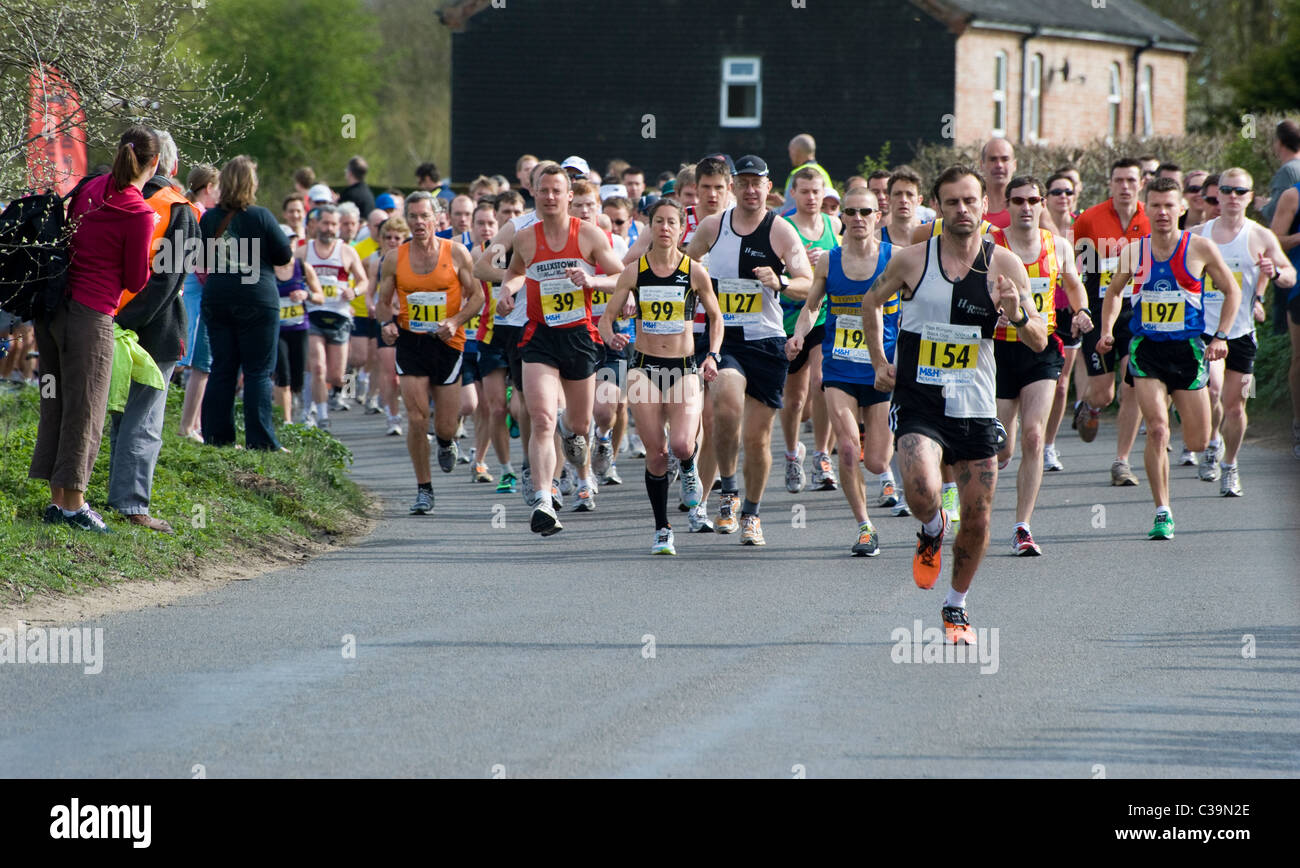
point(426, 299)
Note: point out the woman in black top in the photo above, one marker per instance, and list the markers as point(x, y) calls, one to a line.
point(241, 307)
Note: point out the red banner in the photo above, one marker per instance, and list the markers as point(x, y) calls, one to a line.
point(56, 153)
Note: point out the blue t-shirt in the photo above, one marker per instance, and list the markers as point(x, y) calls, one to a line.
point(1168, 302)
point(845, 358)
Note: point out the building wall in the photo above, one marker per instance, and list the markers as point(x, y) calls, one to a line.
point(854, 73)
point(1074, 112)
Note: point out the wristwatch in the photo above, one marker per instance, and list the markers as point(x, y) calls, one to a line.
point(1220, 336)
point(1024, 318)
point(716, 358)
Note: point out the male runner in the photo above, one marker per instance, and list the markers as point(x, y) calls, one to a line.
point(1167, 355)
point(843, 276)
point(435, 295)
point(1254, 256)
point(1026, 380)
point(341, 276)
point(747, 248)
point(1099, 234)
point(952, 290)
point(556, 263)
point(904, 194)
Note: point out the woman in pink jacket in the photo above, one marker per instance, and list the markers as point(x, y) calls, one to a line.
point(109, 247)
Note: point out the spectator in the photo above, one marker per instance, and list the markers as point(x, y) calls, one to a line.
point(303, 180)
point(241, 306)
point(356, 191)
point(1286, 146)
point(109, 251)
point(202, 184)
point(157, 316)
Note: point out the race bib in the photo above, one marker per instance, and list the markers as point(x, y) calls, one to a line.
point(1211, 294)
point(1108, 267)
point(850, 343)
point(329, 286)
point(292, 313)
point(1163, 311)
point(1043, 294)
point(562, 302)
point(599, 300)
point(425, 310)
point(740, 300)
point(663, 309)
point(472, 325)
point(949, 354)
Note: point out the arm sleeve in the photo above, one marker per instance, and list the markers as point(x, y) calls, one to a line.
point(279, 251)
point(135, 251)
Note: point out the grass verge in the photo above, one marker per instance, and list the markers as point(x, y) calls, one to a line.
point(225, 504)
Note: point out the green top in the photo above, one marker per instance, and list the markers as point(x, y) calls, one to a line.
point(828, 241)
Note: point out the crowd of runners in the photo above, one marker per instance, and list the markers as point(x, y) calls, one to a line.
point(930, 325)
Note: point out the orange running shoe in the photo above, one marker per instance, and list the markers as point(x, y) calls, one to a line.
point(956, 626)
point(929, 555)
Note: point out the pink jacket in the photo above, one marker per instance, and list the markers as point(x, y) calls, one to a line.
point(109, 247)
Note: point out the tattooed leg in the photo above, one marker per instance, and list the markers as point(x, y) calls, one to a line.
point(919, 458)
point(976, 482)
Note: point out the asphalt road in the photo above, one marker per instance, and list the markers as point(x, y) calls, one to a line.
point(485, 651)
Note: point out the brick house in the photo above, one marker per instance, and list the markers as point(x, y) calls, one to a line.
point(670, 81)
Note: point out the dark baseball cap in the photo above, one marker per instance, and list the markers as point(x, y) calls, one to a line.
point(751, 165)
point(726, 158)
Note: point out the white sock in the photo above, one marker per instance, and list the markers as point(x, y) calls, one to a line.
point(507, 467)
point(323, 410)
point(887, 476)
point(955, 598)
point(1166, 510)
point(1216, 443)
point(1232, 466)
point(1022, 525)
point(934, 525)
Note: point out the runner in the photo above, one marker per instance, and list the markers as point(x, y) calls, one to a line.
point(492, 425)
point(843, 276)
point(1286, 226)
point(819, 234)
point(1254, 256)
point(556, 263)
point(479, 359)
point(1060, 194)
point(944, 409)
point(341, 277)
point(747, 247)
point(297, 284)
point(1099, 234)
point(429, 280)
point(904, 194)
point(392, 233)
point(663, 384)
point(1168, 355)
point(1026, 380)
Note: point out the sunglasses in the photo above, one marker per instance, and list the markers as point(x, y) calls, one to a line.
point(1192, 188)
point(1210, 200)
point(1060, 191)
point(618, 222)
point(1234, 191)
point(1020, 200)
point(1148, 174)
point(857, 212)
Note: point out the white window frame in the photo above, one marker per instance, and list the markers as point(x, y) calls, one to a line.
point(1034, 99)
point(999, 94)
point(1114, 99)
point(730, 78)
point(1146, 82)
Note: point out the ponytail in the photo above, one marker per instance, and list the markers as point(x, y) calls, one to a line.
point(136, 150)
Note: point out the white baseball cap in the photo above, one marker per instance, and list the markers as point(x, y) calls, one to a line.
point(320, 193)
point(577, 164)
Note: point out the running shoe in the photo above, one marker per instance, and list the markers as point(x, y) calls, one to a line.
point(611, 477)
point(635, 447)
point(568, 479)
point(929, 555)
point(823, 474)
point(602, 453)
point(1051, 459)
point(557, 499)
point(463, 458)
point(507, 484)
point(481, 474)
point(956, 626)
point(526, 487)
point(674, 467)
point(323, 425)
point(1022, 543)
point(86, 519)
point(338, 404)
point(394, 427)
point(868, 544)
point(423, 502)
point(952, 506)
point(1086, 421)
point(795, 478)
point(1122, 474)
point(663, 544)
point(699, 521)
point(901, 509)
point(543, 519)
point(1164, 527)
point(372, 405)
point(447, 456)
point(586, 499)
point(574, 445)
point(1229, 484)
point(692, 488)
point(728, 506)
point(1187, 458)
point(1208, 471)
point(53, 515)
point(751, 531)
point(888, 494)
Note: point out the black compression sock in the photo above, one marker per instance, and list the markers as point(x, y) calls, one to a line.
point(657, 488)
